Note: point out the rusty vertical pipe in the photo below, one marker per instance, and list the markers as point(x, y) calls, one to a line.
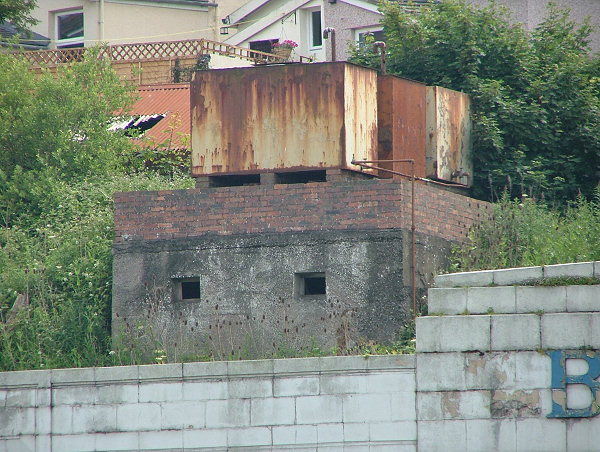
point(326, 33)
point(379, 47)
point(412, 227)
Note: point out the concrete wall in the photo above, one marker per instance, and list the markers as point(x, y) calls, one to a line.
point(298, 404)
point(247, 246)
point(485, 377)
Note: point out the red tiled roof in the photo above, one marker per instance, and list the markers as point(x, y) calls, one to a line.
point(172, 100)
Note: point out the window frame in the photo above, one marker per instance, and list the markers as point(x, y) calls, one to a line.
point(300, 287)
point(77, 41)
point(178, 288)
point(310, 13)
point(364, 30)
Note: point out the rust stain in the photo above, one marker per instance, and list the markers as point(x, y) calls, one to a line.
point(279, 117)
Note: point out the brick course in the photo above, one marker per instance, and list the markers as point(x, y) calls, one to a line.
point(335, 205)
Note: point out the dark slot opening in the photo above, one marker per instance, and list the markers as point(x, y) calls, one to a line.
point(190, 290)
point(314, 285)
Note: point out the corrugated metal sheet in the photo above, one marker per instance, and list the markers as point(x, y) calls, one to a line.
point(449, 135)
point(172, 100)
point(288, 117)
point(401, 116)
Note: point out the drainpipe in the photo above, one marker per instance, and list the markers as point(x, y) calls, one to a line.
point(379, 47)
point(101, 21)
point(326, 33)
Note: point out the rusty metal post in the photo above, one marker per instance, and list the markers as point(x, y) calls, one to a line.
point(379, 47)
point(326, 33)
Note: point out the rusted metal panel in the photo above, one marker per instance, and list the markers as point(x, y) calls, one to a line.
point(283, 117)
point(401, 115)
point(449, 135)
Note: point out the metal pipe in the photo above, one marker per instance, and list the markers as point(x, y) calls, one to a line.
point(379, 47)
point(422, 179)
point(326, 33)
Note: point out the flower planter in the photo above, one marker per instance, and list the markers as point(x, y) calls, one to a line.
point(283, 52)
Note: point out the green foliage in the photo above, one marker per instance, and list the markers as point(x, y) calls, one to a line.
point(529, 233)
point(535, 96)
point(18, 12)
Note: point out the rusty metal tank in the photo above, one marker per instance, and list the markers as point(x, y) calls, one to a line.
point(449, 136)
point(401, 117)
point(284, 117)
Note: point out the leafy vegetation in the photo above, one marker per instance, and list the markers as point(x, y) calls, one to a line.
point(18, 12)
point(528, 233)
point(535, 96)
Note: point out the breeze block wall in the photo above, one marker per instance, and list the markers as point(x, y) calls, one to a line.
point(249, 246)
point(507, 366)
point(334, 403)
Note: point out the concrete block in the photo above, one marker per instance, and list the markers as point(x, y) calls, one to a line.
point(583, 298)
point(466, 279)
point(453, 405)
point(17, 421)
point(205, 438)
point(453, 333)
point(94, 418)
point(296, 366)
point(516, 332)
point(138, 417)
point(250, 368)
point(295, 386)
point(449, 301)
point(487, 434)
point(355, 432)
point(162, 372)
point(567, 330)
point(21, 398)
point(62, 419)
point(114, 374)
point(340, 363)
point(541, 434)
point(182, 415)
point(23, 443)
point(579, 269)
point(203, 370)
point(533, 370)
point(343, 384)
point(499, 300)
point(160, 392)
point(318, 409)
point(390, 382)
point(408, 446)
point(227, 413)
point(86, 394)
point(243, 388)
point(66, 376)
point(205, 390)
point(393, 431)
point(296, 434)
point(516, 403)
point(3, 393)
point(73, 443)
point(42, 396)
point(330, 433)
point(404, 406)
point(117, 393)
point(43, 418)
point(595, 327)
point(516, 276)
point(42, 442)
point(253, 436)
point(442, 436)
point(440, 371)
point(541, 299)
point(583, 434)
point(490, 371)
point(166, 439)
point(114, 441)
point(272, 411)
point(597, 269)
point(375, 362)
point(21, 378)
point(367, 407)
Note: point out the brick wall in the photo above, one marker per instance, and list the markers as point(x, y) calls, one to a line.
point(354, 205)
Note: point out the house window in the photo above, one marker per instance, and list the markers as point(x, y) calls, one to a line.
point(186, 289)
point(69, 29)
point(316, 36)
point(310, 284)
point(263, 46)
point(376, 34)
